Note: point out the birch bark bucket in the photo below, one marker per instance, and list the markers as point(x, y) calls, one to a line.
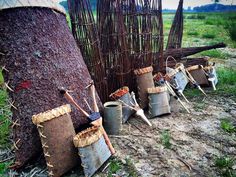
point(124, 96)
point(158, 101)
point(56, 132)
point(113, 117)
point(198, 74)
point(144, 81)
point(93, 150)
point(177, 76)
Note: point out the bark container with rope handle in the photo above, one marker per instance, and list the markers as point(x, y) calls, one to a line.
point(198, 74)
point(56, 132)
point(177, 75)
point(93, 150)
point(144, 81)
point(158, 101)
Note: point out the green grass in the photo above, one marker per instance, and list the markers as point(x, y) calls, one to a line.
point(215, 53)
point(196, 16)
point(227, 126)
point(224, 165)
point(231, 29)
point(114, 166)
point(4, 116)
point(4, 125)
point(209, 35)
point(210, 22)
point(3, 168)
point(192, 93)
point(199, 106)
point(193, 33)
point(165, 139)
point(227, 83)
point(131, 168)
point(209, 26)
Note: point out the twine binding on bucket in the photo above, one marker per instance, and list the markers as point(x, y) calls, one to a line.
point(143, 70)
point(157, 90)
point(88, 136)
point(47, 116)
point(51, 114)
point(119, 93)
point(6, 84)
point(45, 149)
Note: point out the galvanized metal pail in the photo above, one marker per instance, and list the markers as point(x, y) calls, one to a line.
point(144, 80)
point(93, 150)
point(178, 77)
point(158, 101)
point(113, 117)
point(124, 96)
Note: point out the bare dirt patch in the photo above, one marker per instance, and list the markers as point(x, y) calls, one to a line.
point(196, 140)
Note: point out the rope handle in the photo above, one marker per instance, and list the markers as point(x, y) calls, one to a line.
point(170, 57)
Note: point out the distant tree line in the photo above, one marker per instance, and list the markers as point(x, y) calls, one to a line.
point(215, 8)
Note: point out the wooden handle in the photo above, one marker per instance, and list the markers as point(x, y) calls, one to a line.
point(95, 106)
point(71, 100)
point(98, 122)
point(108, 142)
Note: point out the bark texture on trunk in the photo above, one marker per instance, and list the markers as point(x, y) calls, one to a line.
point(40, 57)
point(184, 52)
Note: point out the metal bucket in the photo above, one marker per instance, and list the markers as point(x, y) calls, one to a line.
point(124, 96)
point(113, 117)
point(144, 80)
point(158, 101)
point(93, 150)
point(178, 77)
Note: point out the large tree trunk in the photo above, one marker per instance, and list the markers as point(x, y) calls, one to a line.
point(40, 57)
point(184, 52)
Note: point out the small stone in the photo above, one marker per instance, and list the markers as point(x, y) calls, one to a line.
point(123, 161)
point(233, 112)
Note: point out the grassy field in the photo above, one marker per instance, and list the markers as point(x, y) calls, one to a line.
point(199, 29)
point(204, 29)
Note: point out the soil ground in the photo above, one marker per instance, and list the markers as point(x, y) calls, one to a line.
point(196, 140)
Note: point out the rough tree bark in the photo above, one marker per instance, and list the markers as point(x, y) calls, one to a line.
point(40, 56)
point(184, 52)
